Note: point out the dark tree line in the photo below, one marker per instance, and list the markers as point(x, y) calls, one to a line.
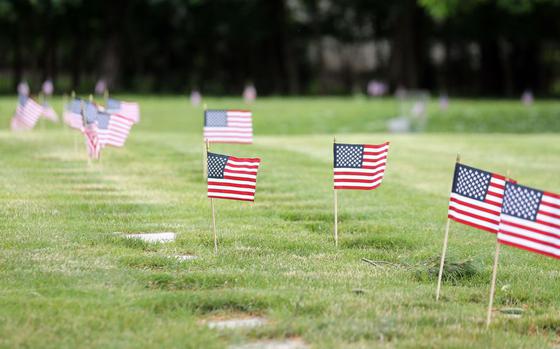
point(493, 48)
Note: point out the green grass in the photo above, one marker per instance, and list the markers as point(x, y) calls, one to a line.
point(68, 280)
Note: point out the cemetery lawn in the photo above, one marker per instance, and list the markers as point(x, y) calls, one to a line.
point(69, 278)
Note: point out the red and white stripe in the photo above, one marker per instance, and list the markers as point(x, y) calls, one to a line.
point(370, 175)
point(130, 110)
point(49, 113)
point(27, 115)
point(92, 141)
point(116, 132)
point(483, 215)
point(239, 128)
point(73, 120)
point(239, 181)
point(540, 236)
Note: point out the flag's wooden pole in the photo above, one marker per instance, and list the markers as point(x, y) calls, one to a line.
point(64, 102)
point(41, 99)
point(494, 275)
point(106, 95)
point(335, 208)
point(213, 211)
point(444, 251)
point(205, 153)
point(73, 94)
point(442, 261)
point(493, 284)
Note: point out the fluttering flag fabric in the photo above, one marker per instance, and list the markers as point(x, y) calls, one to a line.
point(530, 220)
point(91, 130)
point(476, 198)
point(359, 166)
point(92, 140)
point(27, 113)
point(113, 129)
point(231, 177)
point(49, 113)
point(228, 126)
point(72, 114)
point(130, 110)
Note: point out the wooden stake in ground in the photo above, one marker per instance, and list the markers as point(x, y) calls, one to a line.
point(41, 99)
point(205, 153)
point(335, 209)
point(213, 211)
point(64, 102)
point(493, 284)
point(444, 251)
point(494, 274)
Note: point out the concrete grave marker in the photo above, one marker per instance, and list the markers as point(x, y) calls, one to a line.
point(153, 237)
point(236, 323)
point(273, 344)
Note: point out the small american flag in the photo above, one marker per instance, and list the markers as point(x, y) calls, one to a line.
point(90, 132)
point(228, 126)
point(530, 220)
point(130, 110)
point(359, 166)
point(476, 198)
point(49, 113)
point(232, 178)
point(27, 114)
point(113, 129)
point(72, 114)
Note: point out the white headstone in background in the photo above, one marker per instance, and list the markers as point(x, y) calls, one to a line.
point(376, 88)
point(443, 102)
point(23, 88)
point(196, 98)
point(412, 107)
point(399, 125)
point(100, 87)
point(48, 87)
point(250, 93)
point(527, 97)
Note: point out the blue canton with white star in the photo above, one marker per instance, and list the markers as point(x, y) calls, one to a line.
point(216, 165)
point(521, 202)
point(348, 155)
point(103, 120)
point(215, 118)
point(471, 182)
point(113, 104)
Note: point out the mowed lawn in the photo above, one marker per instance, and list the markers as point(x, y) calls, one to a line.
point(69, 278)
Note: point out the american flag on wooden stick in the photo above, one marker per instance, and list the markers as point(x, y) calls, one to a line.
point(228, 126)
point(476, 198)
point(113, 129)
point(90, 132)
point(72, 114)
point(359, 166)
point(90, 129)
point(130, 110)
point(232, 178)
point(27, 113)
point(530, 220)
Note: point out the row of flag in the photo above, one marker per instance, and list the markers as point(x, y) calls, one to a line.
point(521, 216)
point(29, 111)
point(102, 126)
